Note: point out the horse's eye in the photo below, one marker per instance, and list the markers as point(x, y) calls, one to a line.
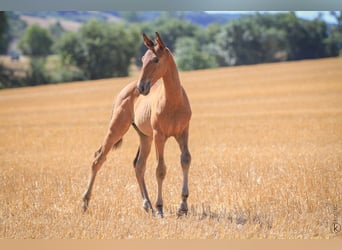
point(156, 60)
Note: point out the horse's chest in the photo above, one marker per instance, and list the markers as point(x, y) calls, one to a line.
point(170, 121)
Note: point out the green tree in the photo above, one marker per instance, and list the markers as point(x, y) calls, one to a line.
point(170, 26)
point(56, 30)
point(171, 29)
point(72, 49)
point(37, 74)
point(36, 41)
point(4, 38)
point(268, 38)
point(334, 41)
point(245, 42)
point(207, 35)
point(17, 26)
point(8, 78)
point(190, 57)
point(100, 49)
point(305, 39)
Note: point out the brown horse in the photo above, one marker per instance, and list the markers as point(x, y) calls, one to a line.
point(163, 113)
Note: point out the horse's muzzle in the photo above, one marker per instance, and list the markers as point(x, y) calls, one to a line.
point(144, 88)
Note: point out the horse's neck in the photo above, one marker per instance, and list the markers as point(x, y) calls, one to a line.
point(172, 85)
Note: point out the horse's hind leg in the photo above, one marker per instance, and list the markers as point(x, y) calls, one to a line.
point(185, 163)
point(99, 159)
point(95, 167)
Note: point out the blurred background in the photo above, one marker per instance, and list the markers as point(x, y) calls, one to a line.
point(44, 47)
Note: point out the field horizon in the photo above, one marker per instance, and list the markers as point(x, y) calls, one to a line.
point(266, 144)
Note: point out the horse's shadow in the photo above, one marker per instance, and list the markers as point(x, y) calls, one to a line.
point(240, 217)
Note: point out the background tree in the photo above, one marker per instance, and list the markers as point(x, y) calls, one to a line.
point(17, 26)
point(100, 49)
point(72, 49)
point(56, 30)
point(36, 41)
point(305, 39)
point(190, 57)
point(268, 38)
point(334, 41)
point(4, 38)
point(37, 74)
point(171, 28)
point(246, 42)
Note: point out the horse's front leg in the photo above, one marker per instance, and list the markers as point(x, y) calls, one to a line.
point(140, 167)
point(159, 141)
point(185, 160)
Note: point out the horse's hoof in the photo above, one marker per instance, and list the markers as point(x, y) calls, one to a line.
point(183, 209)
point(85, 204)
point(160, 212)
point(148, 206)
point(180, 212)
point(160, 215)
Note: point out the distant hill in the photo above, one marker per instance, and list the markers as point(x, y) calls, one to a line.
point(45, 22)
point(76, 16)
point(201, 18)
point(204, 19)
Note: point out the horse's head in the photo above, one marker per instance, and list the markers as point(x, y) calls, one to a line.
point(154, 64)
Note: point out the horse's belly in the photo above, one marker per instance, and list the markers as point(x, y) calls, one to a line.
point(142, 117)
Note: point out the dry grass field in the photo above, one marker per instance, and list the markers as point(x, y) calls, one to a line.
point(266, 143)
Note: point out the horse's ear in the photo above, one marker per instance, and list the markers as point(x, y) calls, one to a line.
point(148, 42)
point(160, 41)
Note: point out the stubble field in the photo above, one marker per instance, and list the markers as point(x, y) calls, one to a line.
point(266, 143)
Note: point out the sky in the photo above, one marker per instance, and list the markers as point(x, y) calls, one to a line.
point(313, 14)
point(309, 15)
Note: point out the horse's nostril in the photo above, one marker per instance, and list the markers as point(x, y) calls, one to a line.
point(144, 89)
point(141, 89)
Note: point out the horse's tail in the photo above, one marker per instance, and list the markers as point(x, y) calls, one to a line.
point(115, 146)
